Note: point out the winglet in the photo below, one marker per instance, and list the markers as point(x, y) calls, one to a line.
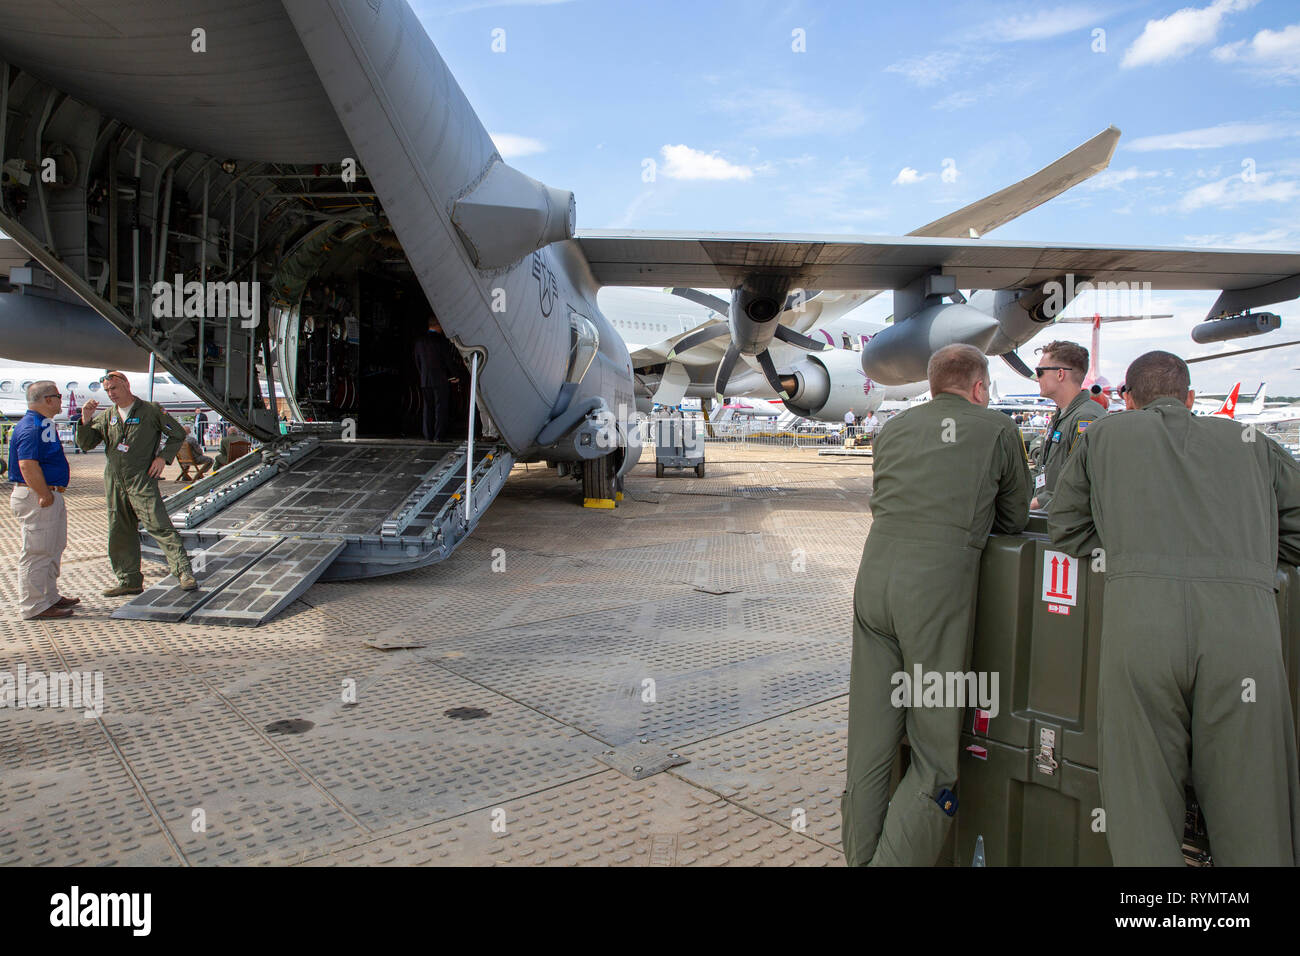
point(988, 213)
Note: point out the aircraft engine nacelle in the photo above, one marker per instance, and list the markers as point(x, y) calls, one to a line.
point(829, 384)
point(53, 332)
point(1021, 315)
point(752, 316)
point(1236, 327)
point(901, 353)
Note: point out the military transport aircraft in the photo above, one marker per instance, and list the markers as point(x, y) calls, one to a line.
point(298, 184)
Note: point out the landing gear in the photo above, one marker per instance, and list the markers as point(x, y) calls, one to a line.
point(599, 483)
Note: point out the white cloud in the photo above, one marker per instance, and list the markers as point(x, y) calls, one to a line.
point(1234, 190)
point(1043, 24)
point(773, 113)
point(1113, 178)
point(907, 175)
point(1212, 137)
point(935, 68)
point(950, 170)
point(511, 146)
point(1181, 32)
point(1273, 54)
point(1280, 238)
point(682, 162)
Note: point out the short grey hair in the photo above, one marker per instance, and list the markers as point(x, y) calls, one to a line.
point(35, 389)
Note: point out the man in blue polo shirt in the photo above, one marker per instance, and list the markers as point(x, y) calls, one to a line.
point(39, 470)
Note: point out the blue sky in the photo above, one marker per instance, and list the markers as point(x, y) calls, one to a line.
point(894, 114)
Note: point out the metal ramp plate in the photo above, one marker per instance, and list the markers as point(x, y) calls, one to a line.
point(220, 565)
point(271, 584)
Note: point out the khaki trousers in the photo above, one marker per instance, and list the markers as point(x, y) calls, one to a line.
point(45, 535)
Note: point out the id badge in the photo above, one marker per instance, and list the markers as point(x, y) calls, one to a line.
point(123, 447)
point(1040, 481)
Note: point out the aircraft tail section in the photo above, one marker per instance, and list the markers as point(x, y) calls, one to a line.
point(1229, 407)
point(1256, 405)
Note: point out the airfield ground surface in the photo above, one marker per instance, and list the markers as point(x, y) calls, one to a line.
point(501, 716)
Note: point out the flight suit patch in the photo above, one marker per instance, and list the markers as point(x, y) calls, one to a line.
point(947, 801)
point(1056, 436)
point(1082, 426)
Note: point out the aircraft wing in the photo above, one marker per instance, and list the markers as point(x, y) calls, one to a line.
point(722, 260)
point(985, 215)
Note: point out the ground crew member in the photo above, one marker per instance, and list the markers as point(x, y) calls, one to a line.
point(946, 473)
point(39, 471)
point(1192, 685)
point(436, 368)
point(1060, 378)
point(131, 430)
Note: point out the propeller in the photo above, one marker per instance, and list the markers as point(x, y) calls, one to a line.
point(718, 330)
point(769, 371)
point(1017, 366)
point(707, 334)
point(790, 336)
point(705, 299)
point(724, 369)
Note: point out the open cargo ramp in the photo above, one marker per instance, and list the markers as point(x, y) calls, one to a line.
point(262, 530)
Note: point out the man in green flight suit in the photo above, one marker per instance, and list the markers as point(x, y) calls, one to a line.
point(131, 430)
point(1191, 516)
point(1060, 378)
point(945, 474)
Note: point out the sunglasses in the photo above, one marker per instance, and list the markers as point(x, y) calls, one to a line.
point(50, 395)
point(1052, 368)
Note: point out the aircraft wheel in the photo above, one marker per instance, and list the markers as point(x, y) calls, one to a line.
point(699, 470)
point(659, 469)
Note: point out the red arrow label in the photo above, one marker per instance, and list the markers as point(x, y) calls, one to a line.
point(1064, 569)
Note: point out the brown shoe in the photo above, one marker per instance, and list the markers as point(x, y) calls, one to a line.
point(52, 611)
point(186, 581)
point(121, 590)
point(67, 602)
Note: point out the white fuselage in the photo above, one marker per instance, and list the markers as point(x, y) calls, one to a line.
point(83, 385)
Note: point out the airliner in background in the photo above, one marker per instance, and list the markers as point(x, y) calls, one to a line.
point(83, 385)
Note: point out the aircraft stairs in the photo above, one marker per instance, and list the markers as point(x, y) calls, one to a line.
point(266, 527)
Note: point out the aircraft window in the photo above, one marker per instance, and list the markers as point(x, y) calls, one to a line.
point(847, 343)
point(93, 386)
point(27, 385)
point(72, 386)
point(6, 386)
point(584, 341)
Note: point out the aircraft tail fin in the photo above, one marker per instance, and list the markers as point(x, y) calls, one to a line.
point(1229, 407)
point(1256, 405)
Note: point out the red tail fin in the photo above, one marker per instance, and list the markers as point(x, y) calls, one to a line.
point(1229, 407)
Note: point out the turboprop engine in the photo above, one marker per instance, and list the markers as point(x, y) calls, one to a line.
point(826, 385)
